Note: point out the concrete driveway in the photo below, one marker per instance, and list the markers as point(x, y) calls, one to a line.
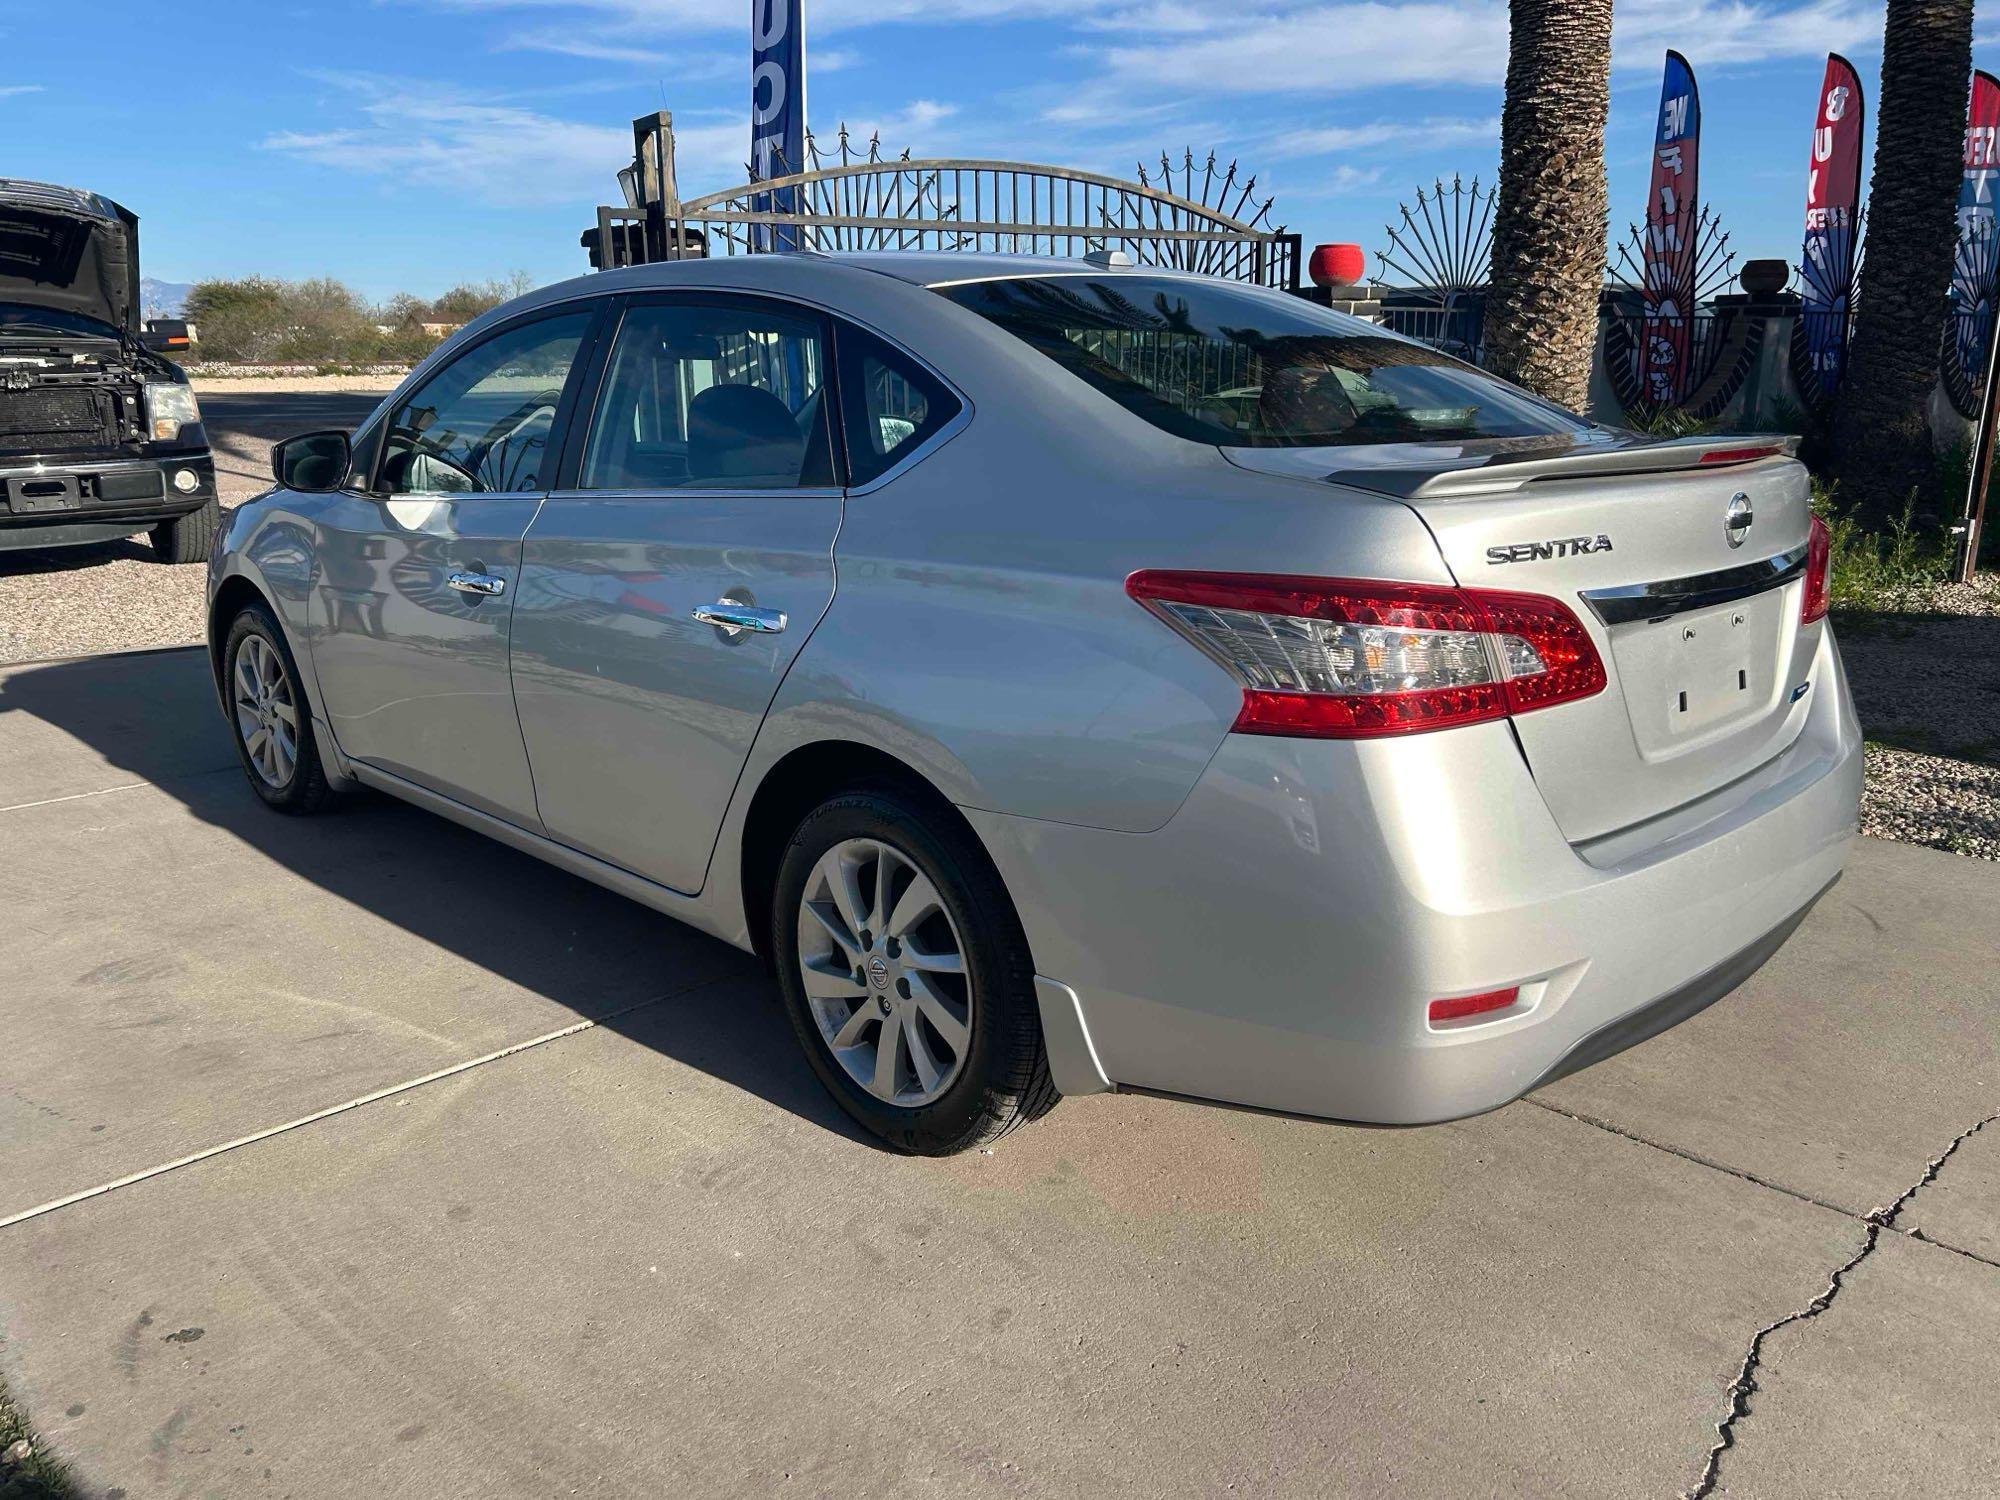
point(492, 1184)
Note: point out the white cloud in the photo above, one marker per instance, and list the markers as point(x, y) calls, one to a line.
point(505, 153)
point(490, 152)
point(20, 88)
point(1382, 135)
point(1293, 47)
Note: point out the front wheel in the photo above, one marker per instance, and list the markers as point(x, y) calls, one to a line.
point(270, 716)
point(907, 977)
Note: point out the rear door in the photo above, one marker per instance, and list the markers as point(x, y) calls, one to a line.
point(666, 587)
point(413, 591)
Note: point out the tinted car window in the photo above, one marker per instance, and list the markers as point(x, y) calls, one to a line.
point(892, 404)
point(712, 396)
point(1238, 366)
point(483, 422)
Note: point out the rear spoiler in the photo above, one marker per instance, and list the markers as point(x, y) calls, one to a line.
point(1510, 471)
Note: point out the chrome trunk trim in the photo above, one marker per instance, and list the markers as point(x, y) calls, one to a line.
point(1668, 597)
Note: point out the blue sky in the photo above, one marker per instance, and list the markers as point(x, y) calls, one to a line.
point(411, 144)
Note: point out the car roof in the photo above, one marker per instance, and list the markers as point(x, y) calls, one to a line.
point(943, 267)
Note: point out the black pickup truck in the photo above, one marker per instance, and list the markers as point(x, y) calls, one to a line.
point(100, 437)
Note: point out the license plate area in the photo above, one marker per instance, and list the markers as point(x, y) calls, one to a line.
point(44, 493)
point(1694, 675)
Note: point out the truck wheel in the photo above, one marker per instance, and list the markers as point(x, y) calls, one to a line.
point(907, 977)
point(189, 538)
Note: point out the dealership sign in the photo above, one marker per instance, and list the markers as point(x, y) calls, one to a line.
point(777, 111)
point(1976, 264)
point(1833, 222)
point(1668, 249)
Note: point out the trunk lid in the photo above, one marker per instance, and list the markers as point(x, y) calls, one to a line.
point(1708, 665)
point(68, 252)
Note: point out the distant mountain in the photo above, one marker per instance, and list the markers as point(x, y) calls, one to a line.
point(163, 299)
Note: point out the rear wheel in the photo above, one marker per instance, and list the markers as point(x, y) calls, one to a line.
point(189, 538)
point(268, 711)
point(907, 977)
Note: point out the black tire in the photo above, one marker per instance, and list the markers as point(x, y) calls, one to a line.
point(307, 790)
point(1004, 1078)
point(189, 538)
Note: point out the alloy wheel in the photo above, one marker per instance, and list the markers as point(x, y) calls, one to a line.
point(885, 972)
point(267, 715)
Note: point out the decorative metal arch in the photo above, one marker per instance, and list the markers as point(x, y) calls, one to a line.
point(1195, 216)
point(1445, 253)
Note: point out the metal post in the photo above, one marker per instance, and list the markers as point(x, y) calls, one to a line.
point(1982, 459)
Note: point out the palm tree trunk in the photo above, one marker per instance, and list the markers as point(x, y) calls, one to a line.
point(1882, 442)
point(1548, 230)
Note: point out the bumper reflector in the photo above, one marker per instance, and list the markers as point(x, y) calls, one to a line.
point(1460, 1007)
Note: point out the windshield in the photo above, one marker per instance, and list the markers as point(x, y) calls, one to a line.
point(1242, 367)
point(18, 318)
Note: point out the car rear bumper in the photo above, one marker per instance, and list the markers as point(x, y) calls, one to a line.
point(1277, 944)
point(62, 500)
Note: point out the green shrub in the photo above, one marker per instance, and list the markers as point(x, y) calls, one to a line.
point(1884, 570)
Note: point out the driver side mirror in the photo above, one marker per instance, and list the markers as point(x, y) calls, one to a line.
point(313, 462)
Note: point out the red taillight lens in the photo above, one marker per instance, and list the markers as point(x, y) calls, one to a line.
point(1819, 573)
point(1351, 658)
point(1459, 1008)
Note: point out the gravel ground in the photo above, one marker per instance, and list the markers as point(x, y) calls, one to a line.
point(1926, 679)
point(70, 601)
point(1925, 672)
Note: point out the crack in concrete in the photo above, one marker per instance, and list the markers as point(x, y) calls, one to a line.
point(1745, 1384)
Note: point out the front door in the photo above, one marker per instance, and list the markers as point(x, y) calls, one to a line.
point(664, 594)
point(415, 586)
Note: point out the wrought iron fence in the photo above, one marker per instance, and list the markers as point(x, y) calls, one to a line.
point(1458, 328)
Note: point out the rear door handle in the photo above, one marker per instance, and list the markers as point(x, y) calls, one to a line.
point(483, 584)
point(734, 619)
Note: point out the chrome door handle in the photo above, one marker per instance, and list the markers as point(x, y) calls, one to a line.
point(737, 618)
point(483, 584)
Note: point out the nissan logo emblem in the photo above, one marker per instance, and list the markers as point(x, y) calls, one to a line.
point(1736, 520)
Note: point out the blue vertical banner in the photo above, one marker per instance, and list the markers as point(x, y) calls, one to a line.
point(777, 111)
point(1673, 208)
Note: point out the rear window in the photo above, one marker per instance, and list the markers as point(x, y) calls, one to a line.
point(1241, 367)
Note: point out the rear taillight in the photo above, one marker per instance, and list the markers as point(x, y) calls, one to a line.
point(1463, 1006)
point(1346, 658)
point(1819, 572)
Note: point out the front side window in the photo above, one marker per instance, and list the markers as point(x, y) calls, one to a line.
point(1242, 367)
point(482, 424)
point(712, 396)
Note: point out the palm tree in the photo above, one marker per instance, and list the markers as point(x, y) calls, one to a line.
point(1548, 230)
point(1882, 446)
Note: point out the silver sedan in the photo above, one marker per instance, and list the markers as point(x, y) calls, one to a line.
point(1071, 677)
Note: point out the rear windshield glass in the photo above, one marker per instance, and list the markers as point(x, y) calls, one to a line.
point(1246, 368)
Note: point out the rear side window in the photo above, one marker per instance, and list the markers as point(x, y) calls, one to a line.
point(1242, 367)
point(712, 395)
point(891, 404)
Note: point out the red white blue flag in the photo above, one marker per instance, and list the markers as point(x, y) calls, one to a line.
point(1668, 249)
point(1833, 222)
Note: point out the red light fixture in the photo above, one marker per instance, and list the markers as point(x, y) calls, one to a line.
point(1462, 1006)
point(1819, 573)
point(1347, 658)
point(1741, 455)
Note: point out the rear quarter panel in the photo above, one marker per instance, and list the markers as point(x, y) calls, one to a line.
point(979, 629)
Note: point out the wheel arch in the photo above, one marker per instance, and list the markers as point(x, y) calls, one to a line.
point(801, 780)
point(231, 596)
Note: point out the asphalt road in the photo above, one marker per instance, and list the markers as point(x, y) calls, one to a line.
point(410, 1166)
